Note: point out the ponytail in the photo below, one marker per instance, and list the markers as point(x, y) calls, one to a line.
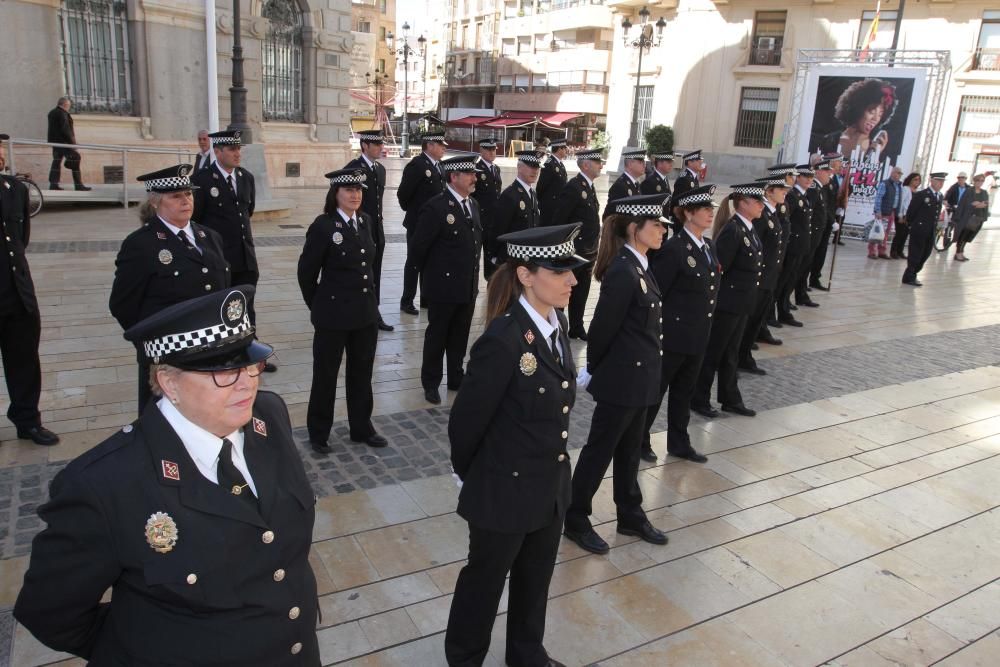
point(722, 216)
point(613, 236)
point(502, 290)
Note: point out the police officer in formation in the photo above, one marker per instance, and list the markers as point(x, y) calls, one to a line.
point(20, 323)
point(489, 185)
point(627, 183)
point(738, 251)
point(508, 430)
point(797, 249)
point(552, 179)
point(624, 351)
point(772, 235)
point(578, 203)
point(687, 272)
point(688, 179)
point(786, 172)
point(422, 179)
point(517, 208)
point(831, 192)
point(371, 202)
point(337, 279)
point(169, 259)
point(446, 246)
point(922, 217)
point(819, 218)
point(657, 181)
point(198, 516)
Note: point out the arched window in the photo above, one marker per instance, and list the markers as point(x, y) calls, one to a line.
point(95, 55)
point(282, 62)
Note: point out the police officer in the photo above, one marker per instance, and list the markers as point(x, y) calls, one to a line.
point(489, 185)
point(818, 222)
point(20, 324)
point(445, 248)
point(198, 516)
point(831, 199)
point(769, 230)
point(552, 179)
point(508, 430)
point(689, 178)
point(800, 220)
point(371, 202)
point(627, 183)
point(738, 251)
point(687, 272)
point(623, 371)
point(786, 172)
point(922, 217)
point(168, 260)
point(422, 179)
point(517, 208)
point(337, 280)
point(578, 203)
point(657, 181)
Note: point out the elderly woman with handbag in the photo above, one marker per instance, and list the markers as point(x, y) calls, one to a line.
point(972, 211)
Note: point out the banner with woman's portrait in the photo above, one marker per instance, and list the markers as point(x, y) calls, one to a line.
point(870, 114)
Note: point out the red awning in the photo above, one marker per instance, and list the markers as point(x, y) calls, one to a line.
point(470, 121)
point(525, 118)
point(560, 118)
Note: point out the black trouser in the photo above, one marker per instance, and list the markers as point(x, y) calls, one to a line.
point(805, 266)
point(530, 559)
point(20, 332)
point(411, 274)
point(899, 239)
point(247, 278)
point(921, 245)
point(447, 332)
point(72, 158)
point(720, 357)
point(965, 236)
point(578, 297)
point(377, 269)
point(819, 257)
point(786, 284)
point(755, 321)
point(679, 375)
point(328, 350)
point(615, 435)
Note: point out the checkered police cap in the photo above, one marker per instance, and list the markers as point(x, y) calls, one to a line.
point(526, 252)
point(347, 177)
point(755, 190)
point(171, 179)
point(773, 181)
point(549, 247)
point(460, 163)
point(804, 170)
point(487, 143)
point(822, 165)
point(634, 154)
point(531, 158)
point(198, 339)
point(226, 138)
point(833, 156)
point(434, 137)
point(590, 155)
point(693, 155)
point(371, 136)
point(940, 175)
point(782, 169)
point(700, 196)
point(558, 143)
point(663, 156)
point(640, 206)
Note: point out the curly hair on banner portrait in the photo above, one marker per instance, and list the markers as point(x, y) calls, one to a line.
point(863, 116)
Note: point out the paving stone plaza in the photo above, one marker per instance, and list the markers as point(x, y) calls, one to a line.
point(854, 521)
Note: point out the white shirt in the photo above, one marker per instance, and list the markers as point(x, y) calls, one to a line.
point(527, 188)
point(746, 222)
point(629, 176)
point(433, 161)
point(204, 447)
point(371, 165)
point(207, 158)
point(186, 230)
point(545, 326)
point(227, 174)
point(697, 241)
point(642, 258)
point(348, 218)
point(587, 178)
point(799, 188)
point(770, 206)
point(460, 198)
point(661, 175)
point(691, 171)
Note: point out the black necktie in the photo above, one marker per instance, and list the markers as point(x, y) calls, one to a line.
point(534, 200)
point(231, 479)
point(186, 240)
point(440, 170)
point(465, 207)
point(708, 254)
point(554, 337)
point(354, 224)
point(496, 171)
point(232, 184)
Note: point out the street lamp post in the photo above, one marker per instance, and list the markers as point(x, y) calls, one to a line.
point(405, 50)
point(644, 42)
point(423, 79)
point(238, 91)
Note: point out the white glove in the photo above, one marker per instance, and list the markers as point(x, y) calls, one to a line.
point(582, 378)
point(836, 226)
point(458, 480)
point(840, 212)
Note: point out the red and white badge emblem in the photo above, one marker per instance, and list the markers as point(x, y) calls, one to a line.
point(259, 427)
point(161, 236)
point(529, 336)
point(171, 470)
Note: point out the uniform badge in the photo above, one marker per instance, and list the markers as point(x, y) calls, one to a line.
point(214, 191)
point(746, 241)
point(338, 225)
point(482, 177)
point(642, 284)
point(629, 191)
point(161, 236)
point(239, 173)
point(338, 238)
point(688, 246)
point(201, 234)
point(529, 336)
point(522, 204)
point(927, 200)
point(528, 363)
point(171, 470)
point(691, 262)
point(770, 224)
point(583, 194)
point(165, 257)
point(427, 173)
point(259, 427)
point(450, 219)
point(161, 532)
point(6, 185)
point(234, 310)
point(659, 188)
point(215, 176)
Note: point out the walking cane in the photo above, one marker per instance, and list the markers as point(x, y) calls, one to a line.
point(833, 260)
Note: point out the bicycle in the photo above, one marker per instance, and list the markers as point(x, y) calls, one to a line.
point(35, 198)
point(945, 234)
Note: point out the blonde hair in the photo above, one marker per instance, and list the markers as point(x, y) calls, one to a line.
point(154, 381)
point(148, 208)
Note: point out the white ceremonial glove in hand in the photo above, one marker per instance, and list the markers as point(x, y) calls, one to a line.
point(840, 212)
point(458, 480)
point(582, 379)
point(836, 226)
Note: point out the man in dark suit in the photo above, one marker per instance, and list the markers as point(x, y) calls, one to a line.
point(446, 246)
point(627, 183)
point(20, 324)
point(689, 178)
point(800, 220)
point(205, 156)
point(61, 132)
point(489, 185)
point(552, 179)
point(922, 216)
point(831, 196)
point(578, 203)
point(818, 221)
point(422, 179)
point(371, 202)
point(517, 208)
point(657, 180)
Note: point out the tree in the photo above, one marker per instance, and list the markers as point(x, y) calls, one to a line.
point(660, 139)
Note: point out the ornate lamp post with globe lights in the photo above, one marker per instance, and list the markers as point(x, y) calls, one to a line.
point(405, 50)
point(644, 42)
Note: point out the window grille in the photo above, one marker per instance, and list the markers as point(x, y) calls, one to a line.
point(281, 62)
point(95, 56)
point(757, 113)
point(978, 122)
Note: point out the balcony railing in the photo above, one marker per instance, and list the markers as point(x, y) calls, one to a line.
point(568, 88)
point(986, 59)
point(770, 57)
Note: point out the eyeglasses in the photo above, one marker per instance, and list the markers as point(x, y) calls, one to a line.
point(229, 376)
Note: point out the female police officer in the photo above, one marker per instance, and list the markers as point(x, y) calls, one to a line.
point(337, 280)
point(508, 430)
point(198, 516)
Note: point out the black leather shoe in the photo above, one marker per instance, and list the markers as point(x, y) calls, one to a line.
point(841, 243)
point(809, 288)
point(555, 663)
point(791, 321)
point(792, 306)
point(769, 339)
point(648, 455)
point(690, 455)
point(740, 409)
point(646, 532)
point(54, 186)
point(820, 286)
point(82, 188)
point(320, 447)
point(754, 369)
point(706, 411)
point(39, 435)
point(408, 308)
point(913, 283)
point(455, 386)
point(754, 346)
point(374, 440)
point(432, 396)
point(775, 324)
point(269, 367)
point(382, 326)
point(579, 334)
point(588, 541)
point(809, 304)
